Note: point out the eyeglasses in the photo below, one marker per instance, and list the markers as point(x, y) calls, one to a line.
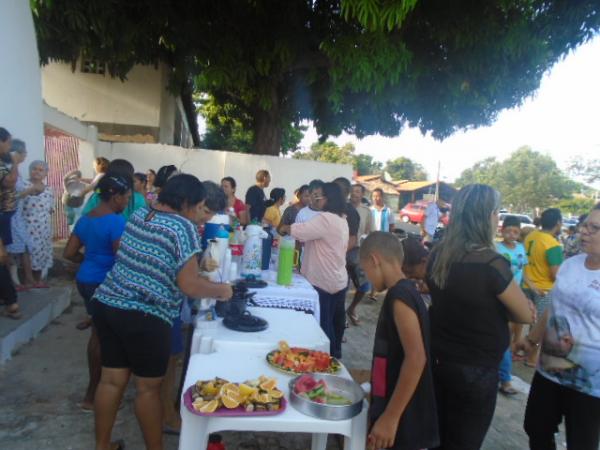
point(590, 227)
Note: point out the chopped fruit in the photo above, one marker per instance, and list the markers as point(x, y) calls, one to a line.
point(263, 398)
point(246, 390)
point(276, 393)
point(229, 387)
point(269, 384)
point(230, 402)
point(210, 407)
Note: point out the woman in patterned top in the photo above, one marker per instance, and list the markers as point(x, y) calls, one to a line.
point(156, 268)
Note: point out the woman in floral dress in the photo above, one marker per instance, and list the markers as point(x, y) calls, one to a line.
point(37, 211)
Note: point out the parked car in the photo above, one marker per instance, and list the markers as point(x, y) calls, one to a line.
point(524, 220)
point(415, 213)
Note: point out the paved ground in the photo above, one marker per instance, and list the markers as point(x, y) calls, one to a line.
point(42, 384)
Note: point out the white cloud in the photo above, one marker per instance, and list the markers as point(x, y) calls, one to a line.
point(561, 119)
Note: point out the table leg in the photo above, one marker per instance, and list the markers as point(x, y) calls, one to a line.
point(358, 440)
point(194, 432)
point(319, 441)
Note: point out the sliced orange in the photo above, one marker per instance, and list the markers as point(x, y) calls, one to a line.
point(246, 391)
point(276, 394)
point(229, 388)
point(230, 402)
point(269, 384)
point(209, 407)
point(263, 398)
point(198, 404)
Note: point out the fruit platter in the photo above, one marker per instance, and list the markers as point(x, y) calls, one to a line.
point(220, 397)
point(298, 360)
point(326, 397)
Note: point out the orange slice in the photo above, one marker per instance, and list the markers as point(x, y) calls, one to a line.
point(209, 407)
point(276, 394)
point(246, 391)
point(230, 402)
point(269, 384)
point(229, 388)
point(263, 398)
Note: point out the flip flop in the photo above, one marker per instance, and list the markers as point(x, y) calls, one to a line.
point(528, 364)
point(353, 319)
point(41, 285)
point(508, 390)
point(21, 288)
point(15, 315)
point(372, 298)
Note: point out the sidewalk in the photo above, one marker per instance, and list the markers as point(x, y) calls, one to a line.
point(43, 383)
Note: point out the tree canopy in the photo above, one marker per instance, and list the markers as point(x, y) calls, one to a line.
point(405, 169)
point(359, 66)
point(331, 152)
point(526, 180)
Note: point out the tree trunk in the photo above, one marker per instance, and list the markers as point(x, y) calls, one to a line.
point(267, 128)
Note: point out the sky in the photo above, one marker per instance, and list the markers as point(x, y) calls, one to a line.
point(562, 119)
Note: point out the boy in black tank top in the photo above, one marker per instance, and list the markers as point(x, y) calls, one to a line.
point(403, 412)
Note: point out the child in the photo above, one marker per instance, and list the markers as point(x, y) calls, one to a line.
point(414, 265)
point(513, 251)
point(403, 412)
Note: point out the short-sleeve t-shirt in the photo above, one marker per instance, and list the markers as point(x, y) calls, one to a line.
point(97, 234)
point(517, 258)
point(570, 353)
point(238, 207)
point(289, 215)
point(418, 427)
point(382, 218)
point(432, 218)
point(136, 202)
point(273, 215)
point(353, 219)
point(469, 325)
point(153, 249)
point(255, 197)
point(306, 214)
point(543, 251)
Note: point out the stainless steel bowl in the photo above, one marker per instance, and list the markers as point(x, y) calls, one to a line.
point(343, 386)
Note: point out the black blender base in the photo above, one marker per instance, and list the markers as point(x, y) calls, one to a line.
point(246, 323)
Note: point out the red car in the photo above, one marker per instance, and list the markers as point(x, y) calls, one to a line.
point(415, 213)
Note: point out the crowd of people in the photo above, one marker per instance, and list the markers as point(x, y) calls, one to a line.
point(450, 327)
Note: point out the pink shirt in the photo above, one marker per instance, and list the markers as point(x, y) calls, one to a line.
point(325, 238)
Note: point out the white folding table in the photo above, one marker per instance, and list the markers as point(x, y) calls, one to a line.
point(297, 328)
point(239, 366)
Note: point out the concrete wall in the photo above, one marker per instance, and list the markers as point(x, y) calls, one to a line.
point(20, 79)
point(100, 98)
point(213, 165)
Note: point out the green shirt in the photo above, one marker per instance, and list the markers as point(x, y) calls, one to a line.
point(135, 203)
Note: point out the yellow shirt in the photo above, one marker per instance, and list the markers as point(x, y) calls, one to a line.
point(273, 215)
point(543, 251)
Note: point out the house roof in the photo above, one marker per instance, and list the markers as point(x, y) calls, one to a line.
point(371, 182)
point(409, 186)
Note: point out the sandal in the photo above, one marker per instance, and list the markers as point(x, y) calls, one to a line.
point(372, 297)
point(41, 285)
point(21, 288)
point(353, 319)
point(508, 390)
point(15, 314)
point(528, 364)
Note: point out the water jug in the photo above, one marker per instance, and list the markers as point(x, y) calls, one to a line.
point(252, 258)
point(288, 258)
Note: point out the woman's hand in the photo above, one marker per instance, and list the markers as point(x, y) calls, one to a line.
point(383, 433)
point(226, 294)
point(208, 264)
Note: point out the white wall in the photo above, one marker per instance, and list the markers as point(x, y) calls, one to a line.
point(101, 98)
point(20, 79)
point(213, 165)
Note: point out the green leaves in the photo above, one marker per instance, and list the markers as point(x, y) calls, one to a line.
point(378, 15)
point(405, 169)
point(526, 180)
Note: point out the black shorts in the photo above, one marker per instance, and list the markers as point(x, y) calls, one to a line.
point(133, 340)
point(86, 290)
point(5, 229)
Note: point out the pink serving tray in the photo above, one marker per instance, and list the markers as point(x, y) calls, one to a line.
point(224, 412)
